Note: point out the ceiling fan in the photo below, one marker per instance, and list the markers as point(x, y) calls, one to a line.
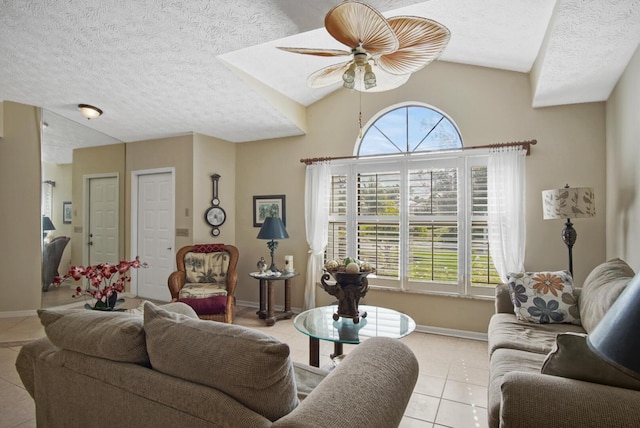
point(394, 48)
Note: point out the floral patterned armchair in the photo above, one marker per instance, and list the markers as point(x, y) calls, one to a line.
point(206, 280)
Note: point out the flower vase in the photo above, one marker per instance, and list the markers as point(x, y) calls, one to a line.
point(109, 304)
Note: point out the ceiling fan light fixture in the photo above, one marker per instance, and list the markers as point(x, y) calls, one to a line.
point(398, 47)
point(369, 77)
point(349, 76)
point(89, 111)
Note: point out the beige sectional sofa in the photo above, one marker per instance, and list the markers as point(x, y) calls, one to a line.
point(169, 369)
point(545, 375)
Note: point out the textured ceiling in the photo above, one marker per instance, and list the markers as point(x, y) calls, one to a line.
point(160, 68)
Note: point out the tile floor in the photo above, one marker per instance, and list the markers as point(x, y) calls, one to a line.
point(451, 390)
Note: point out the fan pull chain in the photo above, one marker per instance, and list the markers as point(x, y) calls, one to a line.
point(360, 117)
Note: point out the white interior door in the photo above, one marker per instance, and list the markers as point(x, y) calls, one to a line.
point(103, 220)
point(155, 236)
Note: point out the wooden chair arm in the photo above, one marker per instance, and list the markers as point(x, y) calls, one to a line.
point(232, 279)
point(175, 282)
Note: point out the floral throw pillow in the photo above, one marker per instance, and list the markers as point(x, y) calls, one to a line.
point(544, 297)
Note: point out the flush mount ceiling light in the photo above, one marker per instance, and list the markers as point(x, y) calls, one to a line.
point(89, 111)
point(384, 52)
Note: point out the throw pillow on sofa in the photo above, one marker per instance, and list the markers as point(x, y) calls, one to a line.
point(544, 297)
point(601, 288)
point(572, 358)
point(248, 365)
point(116, 336)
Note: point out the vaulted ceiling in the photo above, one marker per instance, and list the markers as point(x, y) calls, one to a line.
point(160, 68)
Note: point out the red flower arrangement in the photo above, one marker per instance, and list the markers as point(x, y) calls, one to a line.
point(105, 280)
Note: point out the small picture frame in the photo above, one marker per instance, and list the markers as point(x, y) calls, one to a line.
point(67, 212)
point(268, 206)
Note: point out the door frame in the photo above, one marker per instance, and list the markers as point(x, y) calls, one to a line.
point(86, 210)
point(133, 237)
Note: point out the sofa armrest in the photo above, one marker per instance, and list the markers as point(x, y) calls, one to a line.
point(25, 362)
point(370, 388)
point(553, 401)
point(504, 305)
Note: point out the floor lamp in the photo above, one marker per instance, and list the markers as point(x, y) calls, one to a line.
point(568, 202)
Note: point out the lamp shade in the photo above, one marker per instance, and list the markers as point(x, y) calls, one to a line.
point(568, 202)
point(273, 228)
point(615, 338)
point(47, 224)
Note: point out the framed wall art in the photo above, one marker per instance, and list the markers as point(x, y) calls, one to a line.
point(66, 212)
point(268, 206)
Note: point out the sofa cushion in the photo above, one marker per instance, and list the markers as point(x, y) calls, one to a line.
point(601, 288)
point(248, 365)
point(177, 307)
point(544, 297)
point(202, 291)
point(116, 336)
point(208, 268)
point(307, 378)
point(506, 332)
point(504, 361)
point(572, 358)
point(209, 306)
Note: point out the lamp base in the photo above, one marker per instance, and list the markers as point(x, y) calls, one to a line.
point(272, 246)
point(569, 236)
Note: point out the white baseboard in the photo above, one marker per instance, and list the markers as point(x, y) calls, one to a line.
point(33, 312)
point(17, 314)
point(463, 334)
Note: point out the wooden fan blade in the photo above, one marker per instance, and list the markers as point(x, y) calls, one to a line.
point(384, 81)
point(328, 75)
point(353, 24)
point(421, 41)
point(317, 52)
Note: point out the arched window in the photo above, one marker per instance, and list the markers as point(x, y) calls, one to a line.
point(409, 128)
point(420, 218)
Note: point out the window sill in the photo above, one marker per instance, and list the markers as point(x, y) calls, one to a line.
point(432, 293)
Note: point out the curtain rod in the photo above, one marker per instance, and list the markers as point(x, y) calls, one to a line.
point(525, 144)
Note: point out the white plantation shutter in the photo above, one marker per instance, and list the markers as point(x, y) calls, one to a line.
point(417, 221)
point(418, 214)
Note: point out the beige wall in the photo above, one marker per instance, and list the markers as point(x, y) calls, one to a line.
point(62, 176)
point(489, 106)
point(175, 152)
point(623, 157)
point(20, 220)
point(213, 156)
point(91, 162)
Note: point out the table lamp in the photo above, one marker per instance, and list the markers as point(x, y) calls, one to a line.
point(47, 225)
point(272, 229)
point(615, 338)
point(568, 202)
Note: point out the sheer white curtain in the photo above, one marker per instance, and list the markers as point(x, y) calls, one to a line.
point(316, 215)
point(506, 200)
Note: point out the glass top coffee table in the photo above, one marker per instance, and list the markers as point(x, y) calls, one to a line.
point(318, 324)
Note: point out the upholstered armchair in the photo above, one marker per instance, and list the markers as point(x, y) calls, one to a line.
point(51, 256)
point(206, 280)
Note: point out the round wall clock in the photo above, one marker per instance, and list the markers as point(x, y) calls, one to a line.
point(215, 215)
